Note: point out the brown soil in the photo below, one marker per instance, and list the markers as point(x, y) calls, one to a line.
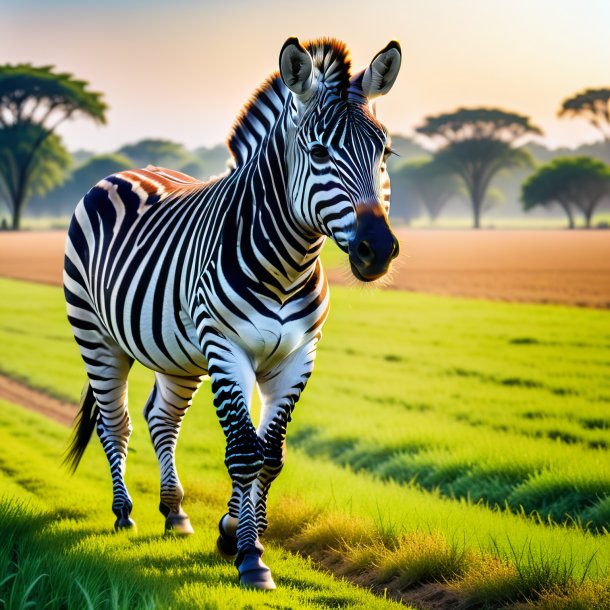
point(565, 267)
point(33, 255)
point(35, 400)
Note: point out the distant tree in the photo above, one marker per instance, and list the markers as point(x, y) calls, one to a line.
point(475, 144)
point(81, 155)
point(47, 170)
point(196, 168)
point(406, 149)
point(34, 101)
point(164, 153)
point(571, 182)
point(428, 183)
point(592, 105)
point(95, 168)
point(214, 160)
point(61, 201)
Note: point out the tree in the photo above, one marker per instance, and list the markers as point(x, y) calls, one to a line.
point(47, 169)
point(61, 201)
point(592, 105)
point(214, 160)
point(164, 153)
point(34, 101)
point(428, 183)
point(475, 144)
point(571, 182)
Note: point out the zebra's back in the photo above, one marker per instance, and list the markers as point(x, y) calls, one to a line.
point(131, 248)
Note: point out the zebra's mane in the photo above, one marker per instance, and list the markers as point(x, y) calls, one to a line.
point(332, 67)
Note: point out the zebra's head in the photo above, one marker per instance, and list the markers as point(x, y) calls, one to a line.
point(337, 150)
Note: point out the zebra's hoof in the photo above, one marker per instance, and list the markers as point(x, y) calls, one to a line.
point(124, 524)
point(178, 524)
point(226, 544)
point(254, 574)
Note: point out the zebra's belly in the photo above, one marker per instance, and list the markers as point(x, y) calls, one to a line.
point(159, 342)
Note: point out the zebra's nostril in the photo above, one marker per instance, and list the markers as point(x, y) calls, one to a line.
point(395, 249)
point(365, 252)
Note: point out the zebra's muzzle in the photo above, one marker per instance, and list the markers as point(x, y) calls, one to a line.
point(374, 245)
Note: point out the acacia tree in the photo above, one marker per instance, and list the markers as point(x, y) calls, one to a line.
point(428, 183)
point(48, 169)
point(475, 144)
point(592, 105)
point(571, 182)
point(34, 101)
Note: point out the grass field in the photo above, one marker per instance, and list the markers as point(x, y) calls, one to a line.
point(439, 441)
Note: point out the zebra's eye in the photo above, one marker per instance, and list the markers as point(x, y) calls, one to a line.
point(319, 153)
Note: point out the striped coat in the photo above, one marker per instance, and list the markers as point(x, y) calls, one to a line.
point(223, 279)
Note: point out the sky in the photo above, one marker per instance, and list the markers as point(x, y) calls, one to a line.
point(183, 69)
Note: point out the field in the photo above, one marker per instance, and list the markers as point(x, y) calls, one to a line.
point(447, 453)
point(565, 267)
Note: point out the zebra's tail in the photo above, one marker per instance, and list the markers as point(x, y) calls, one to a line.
point(84, 424)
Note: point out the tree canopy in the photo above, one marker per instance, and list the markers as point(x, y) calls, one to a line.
point(478, 124)
point(47, 169)
point(34, 101)
point(592, 105)
point(571, 182)
point(63, 200)
point(157, 152)
point(476, 144)
point(30, 94)
point(214, 160)
point(428, 182)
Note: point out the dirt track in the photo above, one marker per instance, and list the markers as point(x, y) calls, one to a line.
point(567, 267)
point(35, 400)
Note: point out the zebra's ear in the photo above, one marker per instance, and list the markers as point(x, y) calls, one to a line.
point(381, 74)
point(296, 69)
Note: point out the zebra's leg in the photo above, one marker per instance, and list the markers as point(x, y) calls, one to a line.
point(232, 383)
point(168, 402)
point(107, 367)
point(108, 372)
point(280, 389)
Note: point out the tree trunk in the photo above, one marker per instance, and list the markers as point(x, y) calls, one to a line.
point(18, 201)
point(16, 219)
point(477, 205)
point(588, 217)
point(477, 197)
point(568, 211)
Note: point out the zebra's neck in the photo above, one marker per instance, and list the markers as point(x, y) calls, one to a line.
point(279, 248)
point(270, 245)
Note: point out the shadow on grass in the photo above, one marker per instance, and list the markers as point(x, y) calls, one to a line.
point(542, 498)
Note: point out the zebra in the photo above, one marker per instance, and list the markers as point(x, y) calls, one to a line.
point(223, 280)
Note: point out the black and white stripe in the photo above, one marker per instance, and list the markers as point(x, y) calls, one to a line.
point(224, 279)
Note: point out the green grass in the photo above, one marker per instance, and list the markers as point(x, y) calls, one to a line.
point(56, 547)
point(446, 432)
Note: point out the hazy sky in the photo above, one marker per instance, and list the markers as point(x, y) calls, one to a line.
point(183, 69)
